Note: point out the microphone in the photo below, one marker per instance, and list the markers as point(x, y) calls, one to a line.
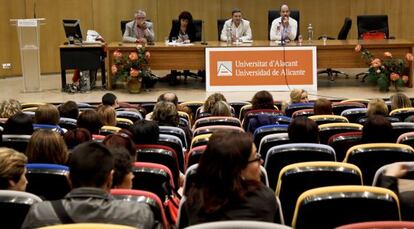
point(203, 34)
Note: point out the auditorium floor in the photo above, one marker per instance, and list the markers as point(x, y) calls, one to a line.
point(194, 89)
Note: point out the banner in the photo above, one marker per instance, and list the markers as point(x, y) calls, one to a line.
point(261, 68)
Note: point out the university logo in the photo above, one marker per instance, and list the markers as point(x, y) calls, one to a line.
point(224, 68)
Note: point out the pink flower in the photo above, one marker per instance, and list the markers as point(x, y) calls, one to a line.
point(134, 72)
point(405, 78)
point(139, 46)
point(133, 56)
point(114, 69)
point(409, 57)
point(394, 76)
point(147, 55)
point(388, 54)
point(376, 63)
point(117, 54)
point(358, 48)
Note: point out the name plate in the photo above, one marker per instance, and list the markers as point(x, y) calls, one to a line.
point(261, 68)
point(27, 23)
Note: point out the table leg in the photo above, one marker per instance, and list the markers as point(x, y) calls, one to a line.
point(63, 78)
point(103, 74)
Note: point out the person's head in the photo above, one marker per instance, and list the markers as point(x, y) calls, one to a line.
point(185, 18)
point(91, 165)
point(140, 16)
point(12, 170)
point(110, 100)
point(165, 113)
point(303, 130)
point(228, 168)
point(262, 100)
point(77, 136)
point(123, 175)
point(221, 108)
point(168, 97)
point(400, 100)
point(377, 129)
point(120, 140)
point(9, 107)
point(211, 100)
point(322, 106)
point(19, 123)
point(69, 110)
point(145, 132)
point(236, 16)
point(377, 107)
point(47, 146)
point(47, 114)
point(284, 10)
point(299, 96)
point(107, 115)
point(89, 119)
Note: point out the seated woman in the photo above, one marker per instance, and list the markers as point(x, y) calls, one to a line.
point(184, 31)
point(377, 129)
point(400, 100)
point(261, 100)
point(77, 136)
point(209, 103)
point(303, 130)
point(47, 117)
point(12, 170)
point(20, 124)
point(221, 108)
point(299, 96)
point(89, 120)
point(9, 107)
point(228, 184)
point(107, 115)
point(322, 106)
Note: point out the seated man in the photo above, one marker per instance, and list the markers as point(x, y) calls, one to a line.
point(91, 171)
point(139, 30)
point(284, 28)
point(240, 28)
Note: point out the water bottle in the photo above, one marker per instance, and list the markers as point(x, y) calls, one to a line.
point(228, 35)
point(310, 32)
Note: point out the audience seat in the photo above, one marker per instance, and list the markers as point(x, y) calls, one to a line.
point(272, 114)
point(263, 131)
point(124, 123)
point(131, 115)
point(363, 101)
point(237, 105)
point(193, 157)
point(211, 129)
point(402, 113)
point(297, 106)
point(406, 138)
point(400, 128)
point(240, 224)
point(85, 106)
point(354, 114)
point(176, 144)
point(303, 113)
point(200, 140)
point(32, 105)
point(337, 108)
point(330, 129)
point(68, 123)
point(271, 140)
point(343, 141)
point(87, 226)
point(380, 225)
point(324, 119)
point(378, 174)
point(216, 120)
point(175, 131)
point(107, 130)
point(15, 141)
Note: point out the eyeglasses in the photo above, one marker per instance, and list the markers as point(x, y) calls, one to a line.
point(257, 158)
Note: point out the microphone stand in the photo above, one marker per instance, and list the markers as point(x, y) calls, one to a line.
point(203, 34)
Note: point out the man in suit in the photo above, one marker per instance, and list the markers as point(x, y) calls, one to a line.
point(139, 30)
point(284, 28)
point(240, 28)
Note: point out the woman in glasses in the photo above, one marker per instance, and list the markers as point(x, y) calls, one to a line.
point(227, 186)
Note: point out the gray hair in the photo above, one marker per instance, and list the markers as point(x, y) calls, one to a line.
point(140, 13)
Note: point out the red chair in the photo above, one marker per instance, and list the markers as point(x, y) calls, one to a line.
point(343, 141)
point(193, 157)
point(211, 129)
point(303, 113)
point(380, 225)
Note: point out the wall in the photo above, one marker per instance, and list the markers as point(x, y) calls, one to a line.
point(105, 16)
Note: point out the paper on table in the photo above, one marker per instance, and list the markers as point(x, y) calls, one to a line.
point(179, 44)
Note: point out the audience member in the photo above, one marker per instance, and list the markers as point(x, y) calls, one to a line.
point(46, 146)
point(377, 129)
point(400, 100)
point(221, 108)
point(377, 107)
point(184, 30)
point(77, 136)
point(120, 140)
point(9, 107)
point(211, 100)
point(299, 96)
point(69, 109)
point(172, 97)
point(139, 30)
point(145, 132)
point(110, 99)
point(239, 27)
point(89, 119)
point(303, 130)
point(20, 124)
point(322, 106)
point(12, 170)
point(122, 168)
point(47, 117)
point(91, 174)
point(227, 185)
point(283, 28)
point(262, 100)
point(107, 115)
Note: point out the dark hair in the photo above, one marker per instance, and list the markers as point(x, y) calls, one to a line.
point(145, 132)
point(90, 165)
point(121, 140)
point(211, 100)
point(322, 106)
point(168, 97)
point(89, 120)
point(109, 99)
point(77, 136)
point(219, 180)
point(186, 16)
point(377, 129)
point(20, 123)
point(122, 165)
point(235, 10)
point(165, 113)
point(69, 110)
point(262, 100)
point(303, 130)
point(47, 114)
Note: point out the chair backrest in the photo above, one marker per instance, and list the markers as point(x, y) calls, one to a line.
point(220, 25)
point(343, 141)
point(237, 105)
point(279, 156)
point(14, 206)
point(200, 140)
point(240, 224)
point(333, 206)
point(297, 178)
point(146, 197)
point(330, 129)
point(175, 131)
point(123, 24)
point(364, 101)
point(303, 113)
point(263, 131)
point(370, 157)
point(67, 123)
point(354, 114)
point(217, 120)
point(131, 115)
point(297, 106)
point(378, 174)
point(256, 118)
point(87, 226)
point(271, 140)
point(49, 181)
point(337, 108)
point(343, 33)
point(107, 130)
point(402, 113)
point(14, 141)
point(368, 23)
point(211, 129)
point(380, 225)
point(193, 157)
point(406, 138)
point(176, 144)
point(400, 128)
point(124, 123)
point(324, 119)
point(198, 27)
point(273, 14)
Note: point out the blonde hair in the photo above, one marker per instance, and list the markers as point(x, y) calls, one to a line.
point(47, 146)
point(9, 108)
point(296, 95)
point(107, 115)
point(377, 107)
point(12, 166)
point(400, 100)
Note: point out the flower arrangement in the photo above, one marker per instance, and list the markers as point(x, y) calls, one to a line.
point(388, 71)
point(131, 68)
